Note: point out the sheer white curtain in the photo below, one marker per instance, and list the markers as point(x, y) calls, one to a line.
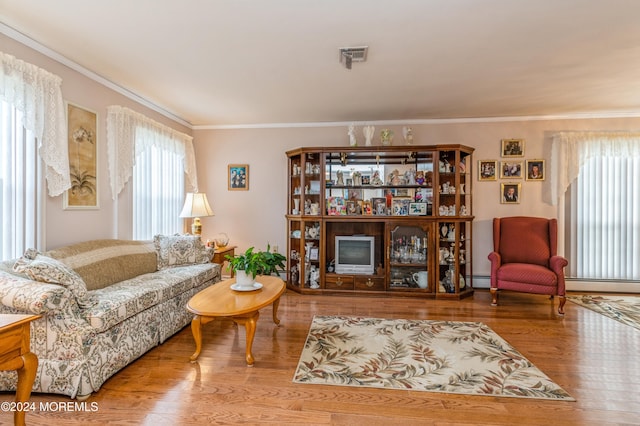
point(602, 170)
point(158, 157)
point(33, 143)
point(123, 145)
point(38, 95)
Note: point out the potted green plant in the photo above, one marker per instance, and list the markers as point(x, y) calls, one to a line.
point(252, 263)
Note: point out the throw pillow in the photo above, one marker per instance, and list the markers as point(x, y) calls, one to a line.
point(179, 250)
point(39, 267)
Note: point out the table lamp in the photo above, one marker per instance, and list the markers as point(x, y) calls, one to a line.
point(196, 206)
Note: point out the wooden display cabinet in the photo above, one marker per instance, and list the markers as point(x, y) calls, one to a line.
point(402, 196)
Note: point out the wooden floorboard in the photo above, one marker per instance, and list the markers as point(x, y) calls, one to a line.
point(594, 358)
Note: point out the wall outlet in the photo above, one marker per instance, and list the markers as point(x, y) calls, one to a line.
point(274, 249)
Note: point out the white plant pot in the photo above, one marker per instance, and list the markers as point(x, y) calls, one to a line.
point(244, 280)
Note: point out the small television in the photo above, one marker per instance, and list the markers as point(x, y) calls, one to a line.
point(355, 254)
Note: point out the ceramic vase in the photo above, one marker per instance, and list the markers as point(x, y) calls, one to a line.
point(244, 280)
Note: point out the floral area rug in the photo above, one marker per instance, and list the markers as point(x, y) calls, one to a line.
point(625, 309)
point(433, 356)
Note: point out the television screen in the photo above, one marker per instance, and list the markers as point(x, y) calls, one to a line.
point(355, 254)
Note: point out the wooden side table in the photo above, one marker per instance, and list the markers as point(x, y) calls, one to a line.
point(219, 256)
point(15, 354)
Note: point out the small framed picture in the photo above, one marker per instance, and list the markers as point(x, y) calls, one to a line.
point(379, 206)
point(510, 193)
point(238, 177)
point(535, 169)
point(487, 170)
point(367, 208)
point(512, 147)
point(352, 208)
point(511, 169)
point(417, 209)
point(400, 206)
point(314, 253)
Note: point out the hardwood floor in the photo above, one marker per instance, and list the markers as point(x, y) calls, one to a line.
point(594, 358)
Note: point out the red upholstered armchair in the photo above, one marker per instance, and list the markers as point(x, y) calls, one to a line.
point(525, 259)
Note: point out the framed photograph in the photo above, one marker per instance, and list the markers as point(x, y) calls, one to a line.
point(513, 147)
point(367, 208)
point(314, 253)
point(400, 206)
point(353, 208)
point(535, 169)
point(511, 169)
point(487, 170)
point(379, 206)
point(83, 159)
point(510, 193)
point(417, 209)
point(238, 177)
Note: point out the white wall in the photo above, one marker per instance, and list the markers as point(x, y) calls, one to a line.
point(256, 217)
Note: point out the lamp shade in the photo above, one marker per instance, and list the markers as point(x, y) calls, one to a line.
point(196, 205)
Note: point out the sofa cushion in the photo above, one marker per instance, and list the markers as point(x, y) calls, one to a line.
point(120, 301)
point(179, 250)
point(102, 263)
point(42, 268)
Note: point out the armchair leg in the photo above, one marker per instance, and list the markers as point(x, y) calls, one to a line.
point(562, 299)
point(494, 296)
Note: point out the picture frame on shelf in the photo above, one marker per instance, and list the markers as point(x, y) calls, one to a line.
point(379, 206)
point(535, 170)
point(400, 206)
point(510, 193)
point(82, 142)
point(487, 170)
point(511, 169)
point(367, 208)
point(238, 177)
point(314, 253)
point(512, 147)
point(417, 209)
point(352, 208)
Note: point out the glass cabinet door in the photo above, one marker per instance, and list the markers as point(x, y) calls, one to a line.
point(454, 266)
point(409, 257)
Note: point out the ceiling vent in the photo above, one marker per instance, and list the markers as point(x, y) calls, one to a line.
point(348, 55)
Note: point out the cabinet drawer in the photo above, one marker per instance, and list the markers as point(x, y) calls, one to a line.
point(369, 283)
point(338, 282)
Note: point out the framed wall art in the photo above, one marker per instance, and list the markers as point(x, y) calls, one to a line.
point(82, 143)
point(510, 193)
point(512, 147)
point(511, 169)
point(535, 169)
point(417, 209)
point(238, 177)
point(487, 170)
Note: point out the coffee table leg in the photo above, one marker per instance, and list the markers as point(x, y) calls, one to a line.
point(196, 328)
point(26, 377)
point(276, 303)
point(249, 323)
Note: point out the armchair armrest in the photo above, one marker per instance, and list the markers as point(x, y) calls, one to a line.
point(557, 264)
point(25, 295)
point(496, 262)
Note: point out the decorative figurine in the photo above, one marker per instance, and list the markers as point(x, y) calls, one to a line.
point(352, 135)
point(407, 134)
point(368, 132)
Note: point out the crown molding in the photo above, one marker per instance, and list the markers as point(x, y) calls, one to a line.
point(39, 47)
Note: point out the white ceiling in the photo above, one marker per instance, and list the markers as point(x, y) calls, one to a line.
point(245, 62)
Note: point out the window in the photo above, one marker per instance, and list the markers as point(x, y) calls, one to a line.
point(605, 220)
point(158, 193)
point(158, 158)
point(33, 144)
point(600, 173)
point(21, 183)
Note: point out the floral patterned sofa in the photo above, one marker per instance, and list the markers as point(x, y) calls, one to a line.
point(104, 303)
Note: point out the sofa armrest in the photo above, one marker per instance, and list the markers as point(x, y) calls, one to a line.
point(25, 295)
point(496, 262)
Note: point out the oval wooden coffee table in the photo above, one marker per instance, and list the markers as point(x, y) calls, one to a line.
point(220, 301)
